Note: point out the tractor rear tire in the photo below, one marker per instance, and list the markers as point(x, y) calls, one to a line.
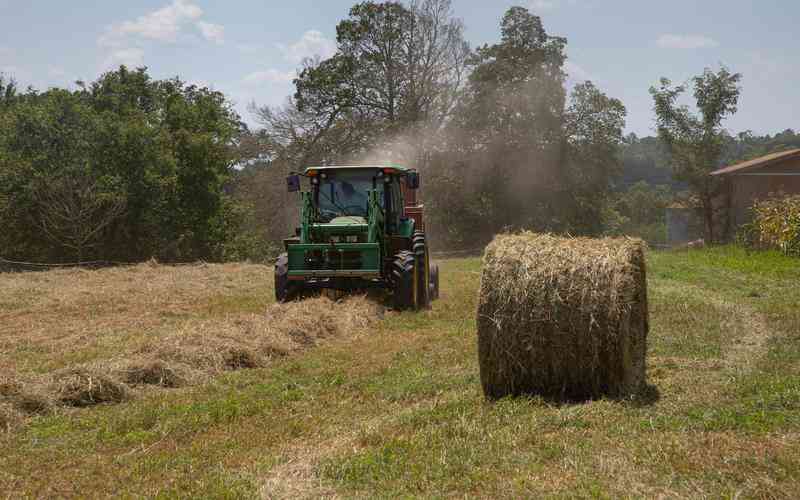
point(434, 282)
point(420, 250)
point(404, 281)
point(285, 290)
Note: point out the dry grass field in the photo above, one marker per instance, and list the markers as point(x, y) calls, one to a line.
point(234, 401)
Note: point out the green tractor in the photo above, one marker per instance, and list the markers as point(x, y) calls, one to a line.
point(360, 228)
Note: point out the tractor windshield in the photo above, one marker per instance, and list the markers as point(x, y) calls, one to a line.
point(344, 193)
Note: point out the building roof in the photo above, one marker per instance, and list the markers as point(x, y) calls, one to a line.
point(760, 162)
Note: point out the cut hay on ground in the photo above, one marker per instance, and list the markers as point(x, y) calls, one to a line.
point(27, 397)
point(564, 318)
point(151, 373)
point(210, 347)
point(80, 387)
point(198, 349)
point(9, 417)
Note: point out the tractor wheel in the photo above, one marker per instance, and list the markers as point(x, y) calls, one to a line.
point(404, 281)
point(420, 250)
point(434, 282)
point(285, 290)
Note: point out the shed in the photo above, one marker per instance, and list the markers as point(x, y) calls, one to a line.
point(756, 179)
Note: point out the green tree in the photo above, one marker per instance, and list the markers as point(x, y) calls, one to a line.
point(396, 68)
point(509, 127)
point(696, 140)
point(70, 160)
point(593, 125)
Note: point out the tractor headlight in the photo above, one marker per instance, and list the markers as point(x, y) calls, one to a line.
point(352, 238)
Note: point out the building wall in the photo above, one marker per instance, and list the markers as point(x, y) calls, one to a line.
point(747, 187)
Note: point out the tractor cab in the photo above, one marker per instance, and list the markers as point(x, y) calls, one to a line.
point(358, 229)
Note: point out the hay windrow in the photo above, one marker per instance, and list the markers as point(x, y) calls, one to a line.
point(155, 373)
point(252, 341)
point(81, 387)
point(562, 317)
point(28, 397)
point(196, 351)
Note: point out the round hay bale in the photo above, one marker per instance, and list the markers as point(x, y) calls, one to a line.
point(80, 387)
point(564, 318)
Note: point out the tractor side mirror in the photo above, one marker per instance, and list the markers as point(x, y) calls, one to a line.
point(293, 183)
point(412, 180)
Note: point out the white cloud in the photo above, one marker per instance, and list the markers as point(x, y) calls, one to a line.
point(269, 76)
point(312, 43)
point(5, 51)
point(131, 57)
point(673, 41)
point(212, 32)
point(163, 24)
point(172, 23)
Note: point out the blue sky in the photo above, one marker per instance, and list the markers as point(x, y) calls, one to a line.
point(249, 49)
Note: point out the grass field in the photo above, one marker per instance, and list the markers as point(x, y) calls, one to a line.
point(395, 409)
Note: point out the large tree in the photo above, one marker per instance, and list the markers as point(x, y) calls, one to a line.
point(396, 69)
point(70, 161)
point(696, 140)
point(508, 127)
point(593, 125)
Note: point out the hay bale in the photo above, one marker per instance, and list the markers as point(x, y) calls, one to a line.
point(564, 318)
point(81, 387)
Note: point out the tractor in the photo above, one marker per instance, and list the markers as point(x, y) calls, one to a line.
point(360, 228)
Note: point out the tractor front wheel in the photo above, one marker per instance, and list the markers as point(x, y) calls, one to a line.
point(285, 290)
point(405, 281)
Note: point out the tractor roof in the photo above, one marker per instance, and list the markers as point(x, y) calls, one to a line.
point(398, 168)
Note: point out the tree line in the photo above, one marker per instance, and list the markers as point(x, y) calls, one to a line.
point(126, 168)
point(130, 168)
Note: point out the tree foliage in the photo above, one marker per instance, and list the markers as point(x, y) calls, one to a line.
point(126, 168)
point(696, 140)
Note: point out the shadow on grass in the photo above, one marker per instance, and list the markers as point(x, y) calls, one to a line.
point(647, 395)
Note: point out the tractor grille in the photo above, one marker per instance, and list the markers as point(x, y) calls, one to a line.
point(333, 259)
